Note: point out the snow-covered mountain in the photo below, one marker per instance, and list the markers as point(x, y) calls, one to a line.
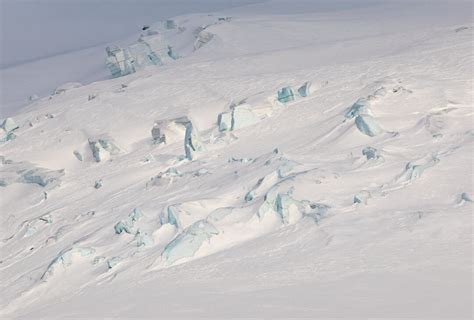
point(296, 159)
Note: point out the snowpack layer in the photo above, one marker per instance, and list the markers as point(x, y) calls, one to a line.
point(347, 194)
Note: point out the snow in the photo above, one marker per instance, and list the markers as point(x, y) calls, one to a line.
point(351, 199)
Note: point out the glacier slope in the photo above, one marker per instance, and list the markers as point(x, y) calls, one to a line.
point(410, 239)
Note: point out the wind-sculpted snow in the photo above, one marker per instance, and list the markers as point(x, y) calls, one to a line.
point(339, 153)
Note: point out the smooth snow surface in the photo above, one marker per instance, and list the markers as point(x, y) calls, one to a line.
point(125, 198)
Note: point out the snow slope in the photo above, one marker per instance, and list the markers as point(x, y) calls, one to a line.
point(283, 218)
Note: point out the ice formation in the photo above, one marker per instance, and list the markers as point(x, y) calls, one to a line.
point(304, 90)
point(103, 148)
point(362, 197)
point(202, 38)
point(370, 153)
point(368, 125)
point(7, 129)
point(128, 224)
point(65, 259)
point(186, 244)
point(360, 107)
point(286, 95)
point(148, 50)
point(240, 116)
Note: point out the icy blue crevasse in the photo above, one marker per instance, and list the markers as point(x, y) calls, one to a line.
point(65, 258)
point(186, 244)
point(285, 95)
point(360, 107)
point(304, 90)
point(368, 125)
point(119, 61)
point(78, 155)
point(370, 153)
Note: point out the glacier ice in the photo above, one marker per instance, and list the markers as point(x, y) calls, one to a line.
point(239, 117)
point(127, 224)
point(192, 142)
point(224, 121)
point(368, 125)
point(156, 134)
point(242, 116)
point(287, 208)
point(304, 90)
point(172, 53)
point(102, 148)
point(78, 155)
point(112, 262)
point(362, 197)
point(7, 129)
point(148, 50)
point(98, 184)
point(165, 178)
point(202, 38)
point(65, 259)
point(286, 95)
point(170, 24)
point(370, 153)
point(42, 177)
point(186, 244)
point(361, 106)
point(9, 125)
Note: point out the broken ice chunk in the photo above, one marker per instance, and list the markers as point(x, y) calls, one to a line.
point(361, 106)
point(192, 142)
point(304, 90)
point(189, 241)
point(122, 226)
point(285, 95)
point(172, 53)
point(98, 184)
point(224, 121)
point(78, 155)
point(362, 197)
point(368, 125)
point(370, 153)
point(317, 211)
point(113, 262)
point(202, 38)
